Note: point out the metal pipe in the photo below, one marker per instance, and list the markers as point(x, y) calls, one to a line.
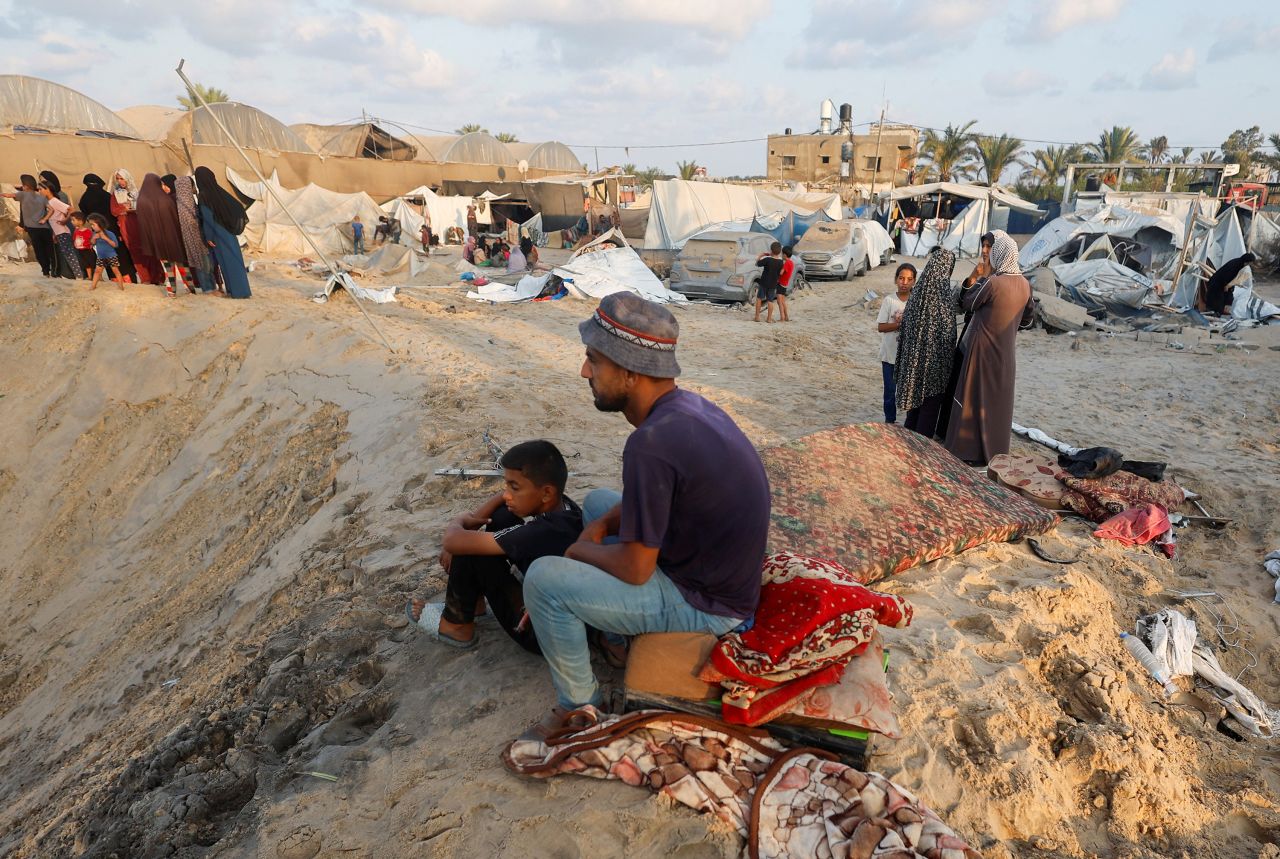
point(334, 271)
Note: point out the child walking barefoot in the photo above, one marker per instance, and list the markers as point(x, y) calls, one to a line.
point(104, 248)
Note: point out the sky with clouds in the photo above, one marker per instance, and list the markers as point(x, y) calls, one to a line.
point(644, 73)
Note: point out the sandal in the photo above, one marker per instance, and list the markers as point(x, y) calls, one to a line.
point(429, 623)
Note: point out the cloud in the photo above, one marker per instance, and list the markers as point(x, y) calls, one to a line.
point(1239, 37)
point(1049, 19)
point(1175, 70)
point(1110, 82)
point(844, 33)
point(1020, 82)
point(374, 49)
point(710, 27)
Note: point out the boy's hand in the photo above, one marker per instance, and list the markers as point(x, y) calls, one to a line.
point(472, 523)
point(446, 560)
point(595, 532)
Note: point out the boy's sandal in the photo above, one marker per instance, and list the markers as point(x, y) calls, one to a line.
point(429, 623)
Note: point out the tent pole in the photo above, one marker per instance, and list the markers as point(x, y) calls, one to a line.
point(334, 272)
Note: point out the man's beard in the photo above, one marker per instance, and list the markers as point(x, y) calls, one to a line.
point(609, 402)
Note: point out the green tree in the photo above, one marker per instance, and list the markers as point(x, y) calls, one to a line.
point(648, 176)
point(210, 94)
point(1209, 156)
point(950, 153)
point(629, 169)
point(1157, 149)
point(1273, 158)
point(687, 169)
point(1117, 146)
point(506, 137)
point(1184, 156)
point(470, 127)
point(997, 155)
point(1243, 146)
point(1049, 167)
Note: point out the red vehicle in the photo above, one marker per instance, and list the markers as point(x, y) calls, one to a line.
point(1249, 194)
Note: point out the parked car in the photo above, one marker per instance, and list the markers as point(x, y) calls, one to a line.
point(720, 265)
point(843, 249)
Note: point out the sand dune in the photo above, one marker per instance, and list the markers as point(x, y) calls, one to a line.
point(214, 511)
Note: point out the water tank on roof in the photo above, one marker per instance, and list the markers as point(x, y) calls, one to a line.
point(787, 131)
point(1092, 182)
point(825, 113)
point(846, 151)
point(846, 118)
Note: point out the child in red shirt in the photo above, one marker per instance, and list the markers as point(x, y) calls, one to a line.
point(82, 238)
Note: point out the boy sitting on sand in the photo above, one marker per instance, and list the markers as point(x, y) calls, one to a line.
point(531, 518)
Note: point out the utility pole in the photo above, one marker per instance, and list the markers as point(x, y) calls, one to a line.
point(876, 171)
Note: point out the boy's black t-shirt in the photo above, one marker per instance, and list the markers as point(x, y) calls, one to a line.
point(550, 533)
point(772, 269)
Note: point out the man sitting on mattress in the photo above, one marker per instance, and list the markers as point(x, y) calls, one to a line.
point(680, 549)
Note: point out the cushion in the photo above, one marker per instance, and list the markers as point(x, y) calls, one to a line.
point(667, 663)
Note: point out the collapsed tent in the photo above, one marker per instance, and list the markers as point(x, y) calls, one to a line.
point(361, 140)
point(1212, 242)
point(325, 217)
point(1104, 284)
point(1264, 233)
point(605, 266)
point(681, 209)
point(962, 235)
point(1158, 230)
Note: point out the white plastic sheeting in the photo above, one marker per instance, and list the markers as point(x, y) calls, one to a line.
point(47, 106)
point(591, 273)
point(1106, 281)
point(152, 121)
point(251, 128)
point(963, 236)
point(445, 212)
point(877, 239)
point(681, 209)
point(1264, 231)
point(1213, 241)
point(1112, 220)
point(325, 216)
point(551, 155)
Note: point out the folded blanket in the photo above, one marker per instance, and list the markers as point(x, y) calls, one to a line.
point(813, 619)
point(1103, 498)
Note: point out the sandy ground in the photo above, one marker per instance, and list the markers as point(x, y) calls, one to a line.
point(215, 510)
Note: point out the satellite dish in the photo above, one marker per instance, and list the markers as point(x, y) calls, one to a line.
point(502, 172)
point(523, 166)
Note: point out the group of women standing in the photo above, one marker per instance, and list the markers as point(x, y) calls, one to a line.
point(173, 230)
point(962, 393)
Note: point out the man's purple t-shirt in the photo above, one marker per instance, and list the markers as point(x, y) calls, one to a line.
point(694, 488)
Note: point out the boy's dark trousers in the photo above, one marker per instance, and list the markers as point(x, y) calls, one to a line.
point(491, 577)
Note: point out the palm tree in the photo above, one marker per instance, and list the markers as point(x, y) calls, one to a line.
point(1156, 149)
point(687, 169)
point(506, 137)
point(1049, 165)
point(1116, 146)
point(1184, 157)
point(998, 154)
point(210, 94)
point(950, 153)
point(470, 127)
point(629, 169)
point(1209, 156)
point(1273, 160)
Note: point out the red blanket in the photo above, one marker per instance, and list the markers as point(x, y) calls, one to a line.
point(813, 619)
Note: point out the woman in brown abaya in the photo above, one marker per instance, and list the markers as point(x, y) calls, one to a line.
point(124, 205)
point(161, 230)
point(982, 410)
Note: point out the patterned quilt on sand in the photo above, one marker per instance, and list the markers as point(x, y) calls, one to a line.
point(788, 805)
point(880, 499)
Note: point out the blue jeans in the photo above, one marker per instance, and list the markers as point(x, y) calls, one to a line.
point(358, 245)
point(890, 393)
point(563, 597)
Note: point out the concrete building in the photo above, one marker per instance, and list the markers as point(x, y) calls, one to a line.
point(816, 158)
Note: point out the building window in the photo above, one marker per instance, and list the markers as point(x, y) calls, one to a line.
point(788, 161)
point(826, 159)
point(873, 163)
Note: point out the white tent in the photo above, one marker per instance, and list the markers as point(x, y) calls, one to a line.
point(681, 209)
point(1105, 282)
point(325, 216)
point(1111, 220)
point(1263, 232)
point(445, 212)
point(877, 238)
point(1213, 241)
point(593, 272)
point(964, 234)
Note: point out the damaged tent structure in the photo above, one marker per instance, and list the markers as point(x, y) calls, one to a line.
point(987, 209)
point(605, 266)
point(325, 216)
point(681, 209)
point(361, 140)
point(445, 212)
point(1128, 261)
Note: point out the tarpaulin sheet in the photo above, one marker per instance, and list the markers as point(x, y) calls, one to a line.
point(1111, 220)
point(681, 209)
